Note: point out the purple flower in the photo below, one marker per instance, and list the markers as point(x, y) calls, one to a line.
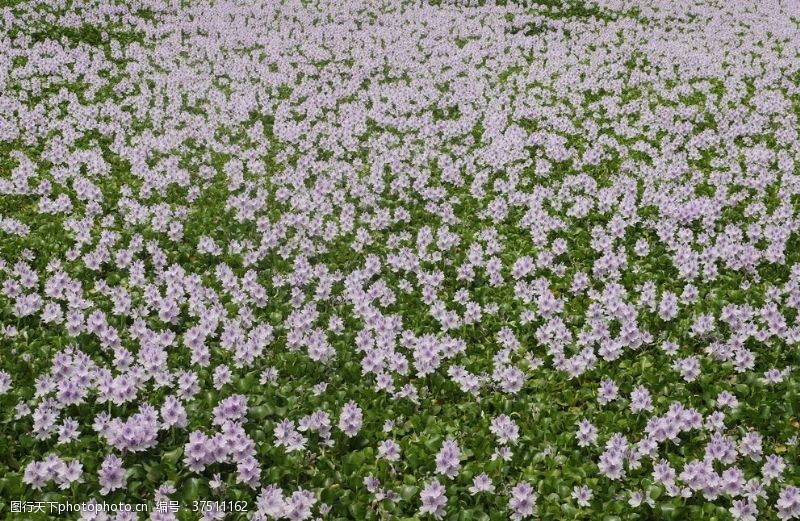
point(111, 475)
point(587, 433)
point(505, 429)
point(522, 502)
point(773, 468)
point(298, 506)
point(481, 483)
point(173, 413)
point(286, 435)
point(640, 399)
point(389, 450)
point(271, 502)
point(788, 504)
point(351, 419)
point(743, 510)
point(668, 308)
point(583, 495)
point(433, 500)
point(607, 392)
point(448, 459)
point(5, 382)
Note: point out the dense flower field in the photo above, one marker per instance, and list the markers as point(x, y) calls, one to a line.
point(400, 259)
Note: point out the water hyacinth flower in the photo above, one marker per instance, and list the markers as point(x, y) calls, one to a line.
point(389, 450)
point(287, 436)
point(448, 459)
point(638, 497)
point(433, 499)
point(688, 367)
point(727, 399)
point(773, 468)
point(272, 504)
point(68, 431)
point(743, 510)
point(641, 400)
point(522, 502)
point(173, 413)
point(35, 475)
point(111, 474)
point(505, 429)
point(587, 433)
point(139, 432)
point(66, 473)
point(583, 495)
point(299, 505)
point(481, 483)
point(5, 382)
point(350, 420)
point(788, 503)
point(607, 392)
